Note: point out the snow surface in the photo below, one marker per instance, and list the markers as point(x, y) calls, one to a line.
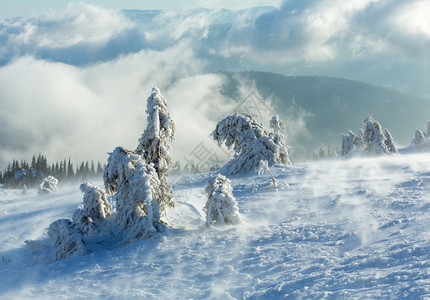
point(348, 229)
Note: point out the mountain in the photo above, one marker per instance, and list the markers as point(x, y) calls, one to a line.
point(332, 106)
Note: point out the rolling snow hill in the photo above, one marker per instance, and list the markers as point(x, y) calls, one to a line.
point(342, 229)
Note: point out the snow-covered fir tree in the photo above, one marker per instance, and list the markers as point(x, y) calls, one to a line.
point(48, 185)
point(95, 208)
point(67, 238)
point(420, 140)
point(359, 140)
point(278, 128)
point(251, 143)
point(374, 137)
point(137, 191)
point(389, 142)
point(348, 143)
point(221, 207)
point(154, 143)
point(428, 129)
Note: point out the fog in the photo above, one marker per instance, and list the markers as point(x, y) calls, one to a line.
point(74, 82)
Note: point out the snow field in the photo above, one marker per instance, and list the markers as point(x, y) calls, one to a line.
point(342, 229)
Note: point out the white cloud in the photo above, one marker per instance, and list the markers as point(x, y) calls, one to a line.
point(80, 77)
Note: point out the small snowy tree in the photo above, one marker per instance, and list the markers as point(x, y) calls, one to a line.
point(67, 238)
point(419, 140)
point(348, 144)
point(154, 142)
point(359, 140)
point(283, 156)
point(264, 167)
point(251, 143)
point(374, 137)
point(428, 129)
point(95, 208)
point(48, 185)
point(221, 207)
point(389, 142)
point(137, 191)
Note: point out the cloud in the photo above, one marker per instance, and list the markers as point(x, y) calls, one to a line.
point(63, 110)
point(79, 78)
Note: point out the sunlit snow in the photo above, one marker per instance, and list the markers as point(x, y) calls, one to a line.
point(339, 228)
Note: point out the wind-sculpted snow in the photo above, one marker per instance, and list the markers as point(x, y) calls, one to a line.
point(343, 229)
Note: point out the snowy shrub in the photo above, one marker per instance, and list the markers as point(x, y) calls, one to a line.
point(48, 185)
point(137, 189)
point(221, 207)
point(154, 142)
point(95, 208)
point(251, 143)
point(67, 238)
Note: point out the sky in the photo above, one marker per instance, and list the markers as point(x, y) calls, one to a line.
point(20, 8)
point(74, 77)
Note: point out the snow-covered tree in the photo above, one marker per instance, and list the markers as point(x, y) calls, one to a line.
point(359, 140)
point(348, 144)
point(48, 185)
point(419, 140)
point(154, 142)
point(67, 238)
point(137, 191)
point(389, 142)
point(221, 207)
point(373, 140)
point(428, 129)
point(278, 128)
point(95, 208)
point(251, 143)
point(374, 137)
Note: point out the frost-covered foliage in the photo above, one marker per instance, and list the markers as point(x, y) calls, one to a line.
point(372, 141)
point(67, 238)
point(419, 140)
point(374, 137)
point(348, 143)
point(136, 185)
point(95, 208)
point(278, 128)
point(251, 143)
point(154, 142)
point(428, 129)
point(389, 142)
point(48, 185)
point(221, 207)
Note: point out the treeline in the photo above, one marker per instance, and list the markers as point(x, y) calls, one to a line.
point(20, 173)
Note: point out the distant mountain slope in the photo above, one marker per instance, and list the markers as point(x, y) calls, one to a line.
point(331, 106)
